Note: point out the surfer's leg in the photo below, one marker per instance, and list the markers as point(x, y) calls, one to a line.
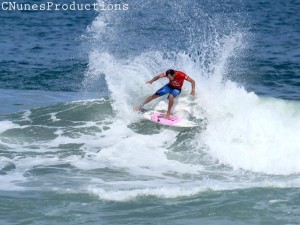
point(171, 102)
point(147, 100)
point(162, 91)
point(171, 97)
point(150, 98)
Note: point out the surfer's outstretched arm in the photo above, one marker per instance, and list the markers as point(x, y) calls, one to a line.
point(156, 78)
point(193, 85)
point(150, 98)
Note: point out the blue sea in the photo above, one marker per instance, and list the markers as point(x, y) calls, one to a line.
point(72, 151)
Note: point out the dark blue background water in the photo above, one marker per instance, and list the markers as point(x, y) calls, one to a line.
point(44, 50)
point(275, 48)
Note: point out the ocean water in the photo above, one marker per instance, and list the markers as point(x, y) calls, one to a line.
point(73, 152)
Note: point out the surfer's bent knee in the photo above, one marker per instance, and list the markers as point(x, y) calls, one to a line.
point(171, 96)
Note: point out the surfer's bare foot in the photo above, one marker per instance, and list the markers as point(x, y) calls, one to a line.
point(138, 108)
point(167, 116)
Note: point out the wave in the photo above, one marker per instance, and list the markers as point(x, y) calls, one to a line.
point(242, 130)
point(103, 148)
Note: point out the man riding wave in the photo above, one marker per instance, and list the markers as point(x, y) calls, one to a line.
point(173, 88)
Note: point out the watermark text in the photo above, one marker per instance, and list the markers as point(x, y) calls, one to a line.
point(51, 6)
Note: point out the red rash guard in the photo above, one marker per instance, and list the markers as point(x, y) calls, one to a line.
point(179, 78)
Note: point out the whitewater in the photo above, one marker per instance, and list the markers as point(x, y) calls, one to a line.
point(91, 150)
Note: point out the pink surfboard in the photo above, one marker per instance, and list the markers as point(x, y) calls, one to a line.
point(160, 118)
point(175, 121)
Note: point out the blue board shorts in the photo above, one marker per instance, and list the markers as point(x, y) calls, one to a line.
point(168, 90)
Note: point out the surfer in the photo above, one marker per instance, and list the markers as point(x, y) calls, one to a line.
point(173, 88)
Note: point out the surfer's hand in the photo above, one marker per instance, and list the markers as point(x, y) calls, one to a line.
point(193, 93)
point(149, 82)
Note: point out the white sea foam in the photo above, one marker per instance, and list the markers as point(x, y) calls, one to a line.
point(176, 189)
point(26, 115)
point(5, 125)
point(243, 130)
point(251, 132)
point(249, 135)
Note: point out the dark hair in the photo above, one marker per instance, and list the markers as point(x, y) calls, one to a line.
point(171, 72)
